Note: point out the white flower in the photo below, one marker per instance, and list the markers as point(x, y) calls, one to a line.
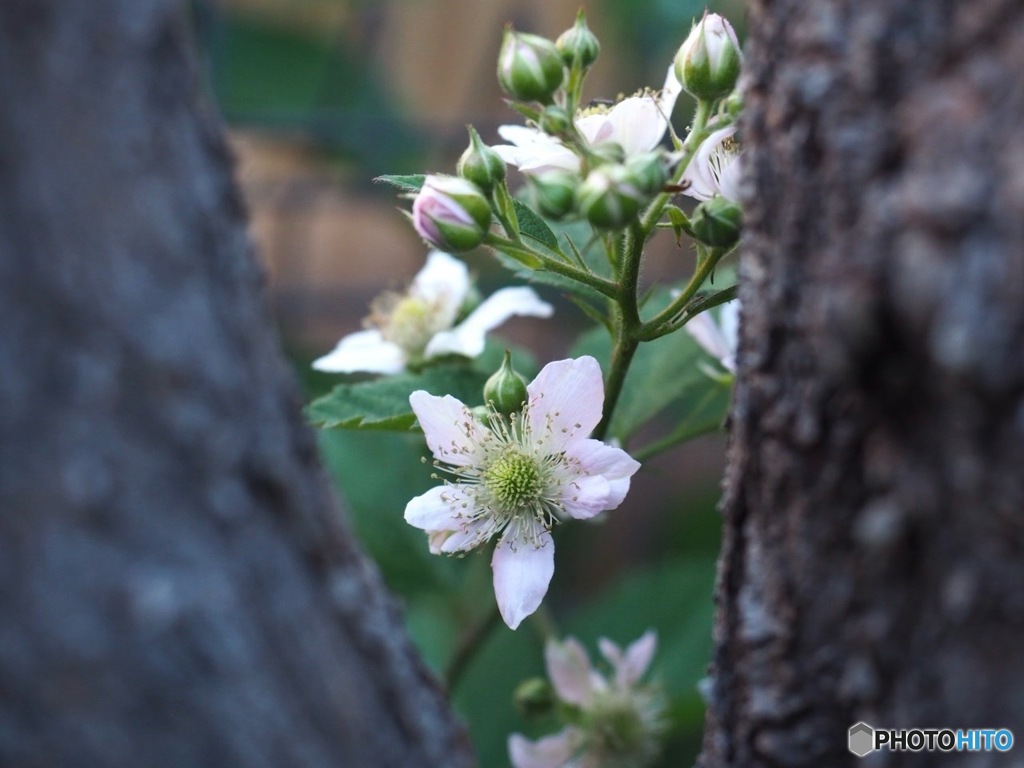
point(517, 478)
point(619, 720)
point(636, 123)
point(715, 168)
point(719, 339)
point(420, 324)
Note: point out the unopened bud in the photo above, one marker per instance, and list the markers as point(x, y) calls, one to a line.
point(480, 164)
point(608, 197)
point(648, 172)
point(505, 390)
point(717, 222)
point(554, 191)
point(554, 120)
point(451, 213)
point(734, 104)
point(534, 698)
point(578, 45)
point(708, 62)
point(529, 67)
point(608, 152)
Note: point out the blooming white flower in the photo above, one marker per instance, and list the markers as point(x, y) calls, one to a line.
point(518, 477)
point(636, 123)
point(617, 721)
point(715, 168)
point(719, 339)
point(406, 329)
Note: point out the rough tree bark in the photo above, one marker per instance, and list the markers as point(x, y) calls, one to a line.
point(874, 515)
point(176, 586)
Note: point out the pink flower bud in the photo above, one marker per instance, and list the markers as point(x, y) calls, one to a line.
point(708, 62)
point(451, 214)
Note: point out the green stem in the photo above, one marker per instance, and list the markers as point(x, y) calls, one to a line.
point(468, 648)
point(599, 284)
point(680, 435)
point(706, 262)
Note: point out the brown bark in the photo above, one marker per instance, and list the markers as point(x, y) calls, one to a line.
point(874, 514)
point(177, 587)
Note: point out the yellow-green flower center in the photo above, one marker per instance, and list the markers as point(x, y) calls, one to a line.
point(514, 480)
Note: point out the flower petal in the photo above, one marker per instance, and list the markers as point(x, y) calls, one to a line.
point(700, 180)
point(570, 672)
point(443, 281)
point(636, 660)
point(522, 572)
point(467, 338)
point(363, 351)
point(554, 751)
point(433, 510)
point(565, 401)
point(586, 496)
point(533, 151)
point(613, 464)
point(452, 434)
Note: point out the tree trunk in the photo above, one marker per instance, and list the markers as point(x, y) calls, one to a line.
point(177, 588)
point(873, 567)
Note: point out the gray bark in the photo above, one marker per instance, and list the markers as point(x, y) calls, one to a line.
point(176, 585)
point(873, 566)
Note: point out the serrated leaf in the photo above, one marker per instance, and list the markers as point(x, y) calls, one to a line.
point(533, 226)
point(383, 404)
point(407, 183)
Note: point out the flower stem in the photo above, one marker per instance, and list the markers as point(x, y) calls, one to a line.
point(524, 254)
point(470, 645)
point(661, 323)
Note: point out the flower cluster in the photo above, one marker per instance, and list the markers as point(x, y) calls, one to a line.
point(517, 477)
point(612, 720)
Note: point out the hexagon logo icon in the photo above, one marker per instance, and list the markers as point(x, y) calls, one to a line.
point(861, 739)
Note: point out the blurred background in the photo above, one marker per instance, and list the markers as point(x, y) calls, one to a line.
point(321, 97)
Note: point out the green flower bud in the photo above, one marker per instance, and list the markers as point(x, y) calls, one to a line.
point(534, 698)
point(555, 120)
point(529, 67)
point(648, 172)
point(554, 191)
point(578, 45)
point(451, 214)
point(734, 104)
point(480, 164)
point(609, 197)
point(708, 62)
point(505, 390)
point(609, 152)
point(717, 222)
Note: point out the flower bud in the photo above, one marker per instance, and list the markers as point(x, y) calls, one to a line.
point(505, 390)
point(648, 172)
point(717, 222)
point(734, 104)
point(554, 120)
point(451, 214)
point(529, 67)
point(534, 698)
point(578, 44)
point(609, 152)
point(480, 164)
point(609, 197)
point(708, 62)
point(554, 191)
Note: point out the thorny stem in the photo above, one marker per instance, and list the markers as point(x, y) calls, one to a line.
point(599, 284)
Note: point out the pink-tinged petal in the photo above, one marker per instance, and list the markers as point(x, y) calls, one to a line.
point(699, 178)
point(638, 124)
point(434, 510)
point(363, 351)
point(469, 536)
point(610, 651)
point(555, 751)
point(467, 338)
point(565, 401)
point(636, 660)
point(570, 672)
point(533, 151)
point(452, 434)
point(443, 281)
point(522, 572)
point(585, 497)
point(706, 332)
point(613, 464)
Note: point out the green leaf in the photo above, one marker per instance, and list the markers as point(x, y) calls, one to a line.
point(407, 183)
point(533, 226)
point(383, 404)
